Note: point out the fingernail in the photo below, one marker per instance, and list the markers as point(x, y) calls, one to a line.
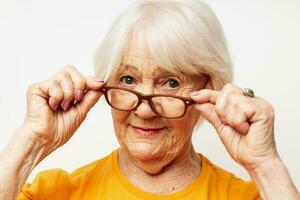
point(99, 80)
point(223, 120)
point(55, 107)
point(194, 93)
point(79, 95)
point(66, 105)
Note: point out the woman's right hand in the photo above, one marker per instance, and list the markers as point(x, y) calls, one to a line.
point(56, 107)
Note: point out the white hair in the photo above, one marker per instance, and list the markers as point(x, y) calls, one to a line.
point(182, 35)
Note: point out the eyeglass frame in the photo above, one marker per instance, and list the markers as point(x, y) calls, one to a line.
point(187, 101)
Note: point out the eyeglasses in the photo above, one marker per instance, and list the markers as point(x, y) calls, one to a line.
point(167, 106)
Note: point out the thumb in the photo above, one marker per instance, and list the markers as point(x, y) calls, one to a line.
point(89, 100)
point(208, 112)
point(91, 95)
point(225, 132)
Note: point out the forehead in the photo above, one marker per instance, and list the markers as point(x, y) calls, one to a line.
point(139, 61)
point(137, 50)
point(137, 57)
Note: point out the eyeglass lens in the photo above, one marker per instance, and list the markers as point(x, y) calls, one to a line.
point(170, 107)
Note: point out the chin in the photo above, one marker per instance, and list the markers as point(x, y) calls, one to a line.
point(144, 152)
point(148, 157)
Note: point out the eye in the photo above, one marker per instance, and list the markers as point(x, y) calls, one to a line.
point(172, 83)
point(127, 79)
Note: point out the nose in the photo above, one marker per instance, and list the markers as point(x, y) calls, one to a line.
point(145, 111)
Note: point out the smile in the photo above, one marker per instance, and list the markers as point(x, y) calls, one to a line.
point(146, 131)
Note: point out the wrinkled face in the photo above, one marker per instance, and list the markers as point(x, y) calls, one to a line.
point(147, 137)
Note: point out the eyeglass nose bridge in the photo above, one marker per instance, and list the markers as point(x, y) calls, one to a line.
point(145, 98)
point(148, 98)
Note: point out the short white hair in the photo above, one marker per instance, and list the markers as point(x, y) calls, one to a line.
point(182, 35)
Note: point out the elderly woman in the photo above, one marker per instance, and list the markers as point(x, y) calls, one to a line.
point(166, 69)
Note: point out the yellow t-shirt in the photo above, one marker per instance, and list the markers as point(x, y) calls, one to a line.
point(103, 180)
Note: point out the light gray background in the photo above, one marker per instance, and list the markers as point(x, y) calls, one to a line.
point(37, 38)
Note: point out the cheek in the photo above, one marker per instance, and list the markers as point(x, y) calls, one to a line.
point(185, 125)
point(120, 123)
point(182, 130)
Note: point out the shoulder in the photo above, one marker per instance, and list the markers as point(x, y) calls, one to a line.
point(59, 182)
point(59, 176)
point(235, 187)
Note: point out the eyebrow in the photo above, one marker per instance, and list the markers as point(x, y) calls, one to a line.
point(127, 66)
point(159, 71)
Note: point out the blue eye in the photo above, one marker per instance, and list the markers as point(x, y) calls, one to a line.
point(127, 79)
point(172, 83)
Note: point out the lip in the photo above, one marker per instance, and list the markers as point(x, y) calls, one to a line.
point(146, 131)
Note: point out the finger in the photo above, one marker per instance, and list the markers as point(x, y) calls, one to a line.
point(78, 80)
point(205, 96)
point(208, 112)
point(53, 91)
point(67, 87)
point(225, 97)
point(237, 119)
point(94, 83)
point(222, 113)
point(89, 100)
point(228, 105)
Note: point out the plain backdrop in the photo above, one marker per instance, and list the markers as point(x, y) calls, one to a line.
point(38, 37)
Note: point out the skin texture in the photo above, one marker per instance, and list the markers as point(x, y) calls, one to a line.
point(153, 155)
point(49, 100)
point(245, 126)
point(51, 120)
point(162, 163)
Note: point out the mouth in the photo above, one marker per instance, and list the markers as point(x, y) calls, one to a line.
point(146, 131)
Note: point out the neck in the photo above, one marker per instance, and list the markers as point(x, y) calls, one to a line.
point(173, 177)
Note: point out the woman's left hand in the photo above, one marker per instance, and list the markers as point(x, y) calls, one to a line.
point(244, 124)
